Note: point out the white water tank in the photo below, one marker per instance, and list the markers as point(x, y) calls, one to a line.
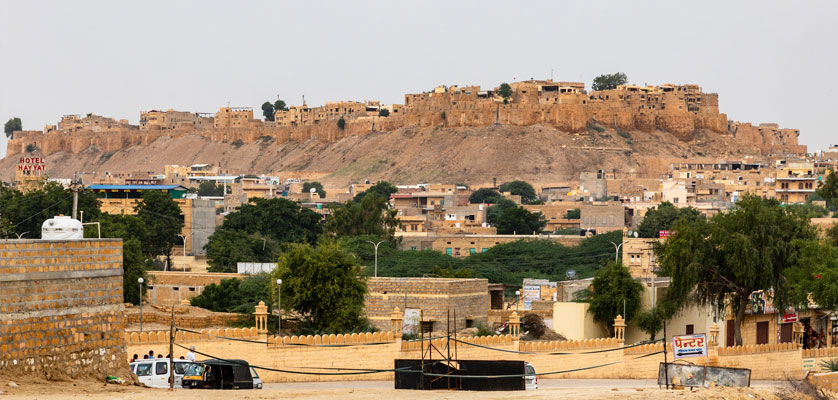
point(62, 228)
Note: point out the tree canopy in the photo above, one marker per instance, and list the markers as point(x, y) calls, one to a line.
point(268, 111)
point(383, 112)
point(484, 195)
point(12, 125)
point(341, 123)
point(162, 217)
point(24, 213)
point(517, 220)
point(828, 190)
point(234, 295)
point(494, 211)
point(279, 105)
point(663, 217)
point(505, 91)
point(520, 188)
point(324, 285)
point(612, 286)
point(609, 81)
point(755, 246)
point(317, 186)
point(372, 216)
point(210, 188)
point(381, 189)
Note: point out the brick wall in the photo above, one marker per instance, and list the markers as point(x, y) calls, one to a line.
point(61, 310)
point(434, 296)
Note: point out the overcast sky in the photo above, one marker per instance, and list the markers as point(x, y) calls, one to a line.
point(770, 61)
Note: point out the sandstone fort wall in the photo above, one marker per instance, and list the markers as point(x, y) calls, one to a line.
point(61, 310)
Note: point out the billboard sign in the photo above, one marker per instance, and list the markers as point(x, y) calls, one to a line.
point(410, 324)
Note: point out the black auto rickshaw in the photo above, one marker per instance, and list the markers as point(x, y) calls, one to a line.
point(218, 374)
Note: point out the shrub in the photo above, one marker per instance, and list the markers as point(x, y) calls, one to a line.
point(593, 126)
point(482, 330)
point(383, 112)
point(31, 148)
point(830, 365)
point(623, 133)
point(341, 123)
point(237, 143)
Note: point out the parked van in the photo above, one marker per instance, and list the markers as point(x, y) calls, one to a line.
point(531, 379)
point(154, 372)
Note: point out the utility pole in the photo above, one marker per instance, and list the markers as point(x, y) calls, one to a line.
point(172, 352)
point(184, 237)
point(75, 186)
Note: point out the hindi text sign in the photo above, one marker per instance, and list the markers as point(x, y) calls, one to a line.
point(689, 346)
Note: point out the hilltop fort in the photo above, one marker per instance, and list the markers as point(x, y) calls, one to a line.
point(681, 115)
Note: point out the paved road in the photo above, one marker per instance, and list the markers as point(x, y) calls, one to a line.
point(542, 383)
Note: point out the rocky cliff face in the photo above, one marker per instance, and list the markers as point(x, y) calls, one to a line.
point(474, 155)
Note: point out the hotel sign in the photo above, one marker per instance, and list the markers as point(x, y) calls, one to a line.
point(31, 164)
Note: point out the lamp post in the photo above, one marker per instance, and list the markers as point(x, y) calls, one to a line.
point(140, 281)
point(517, 299)
point(617, 250)
point(376, 255)
point(184, 237)
point(278, 308)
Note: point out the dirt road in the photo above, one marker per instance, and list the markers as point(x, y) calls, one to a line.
point(548, 389)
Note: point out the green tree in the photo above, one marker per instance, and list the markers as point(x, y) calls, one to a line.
point(612, 290)
point(372, 216)
point(25, 213)
point(649, 321)
point(383, 112)
point(323, 285)
point(752, 247)
point(574, 214)
point(268, 111)
point(162, 217)
point(279, 105)
point(832, 235)
point(210, 188)
point(520, 188)
point(494, 211)
point(234, 295)
point(381, 189)
point(135, 263)
point(484, 195)
point(663, 217)
point(12, 125)
point(278, 219)
point(609, 81)
point(809, 210)
point(317, 186)
point(341, 123)
point(517, 220)
point(227, 248)
point(828, 190)
point(505, 91)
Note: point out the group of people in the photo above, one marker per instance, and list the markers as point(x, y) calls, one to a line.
point(190, 355)
point(813, 339)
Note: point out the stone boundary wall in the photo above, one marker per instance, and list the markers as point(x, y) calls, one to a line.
point(61, 311)
point(185, 321)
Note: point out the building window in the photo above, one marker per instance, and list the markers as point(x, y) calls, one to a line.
point(428, 326)
point(469, 323)
point(690, 329)
point(175, 288)
point(456, 251)
point(472, 250)
point(448, 251)
point(484, 250)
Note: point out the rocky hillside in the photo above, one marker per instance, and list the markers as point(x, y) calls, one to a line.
point(537, 153)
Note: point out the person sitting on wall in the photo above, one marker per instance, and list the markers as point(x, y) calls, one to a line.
point(151, 354)
point(134, 358)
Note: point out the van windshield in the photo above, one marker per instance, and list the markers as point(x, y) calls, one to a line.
point(253, 373)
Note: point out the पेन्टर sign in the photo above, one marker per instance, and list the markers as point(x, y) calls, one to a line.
point(689, 346)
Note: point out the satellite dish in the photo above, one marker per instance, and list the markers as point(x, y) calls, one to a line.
point(570, 274)
point(636, 234)
point(312, 190)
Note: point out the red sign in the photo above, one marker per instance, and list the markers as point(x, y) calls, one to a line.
point(662, 234)
point(788, 317)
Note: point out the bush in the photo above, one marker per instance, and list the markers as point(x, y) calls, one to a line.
point(383, 112)
point(234, 295)
point(623, 133)
point(237, 143)
point(482, 330)
point(830, 365)
point(593, 126)
point(341, 123)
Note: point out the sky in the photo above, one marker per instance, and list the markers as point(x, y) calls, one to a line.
point(770, 61)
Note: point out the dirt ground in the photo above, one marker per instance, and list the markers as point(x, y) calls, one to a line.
point(41, 389)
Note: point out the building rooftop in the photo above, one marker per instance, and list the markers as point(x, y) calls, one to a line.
point(136, 187)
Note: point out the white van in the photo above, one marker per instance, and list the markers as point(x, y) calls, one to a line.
point(154, 372)
point(531, 379)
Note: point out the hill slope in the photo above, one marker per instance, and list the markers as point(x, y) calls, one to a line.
point(537, 153)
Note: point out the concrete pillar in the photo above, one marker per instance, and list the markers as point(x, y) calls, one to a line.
point(514, 324)
point(396, 318)
point(261, 315)
point(620, 329)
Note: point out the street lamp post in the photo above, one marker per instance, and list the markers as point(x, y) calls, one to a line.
point(184, 237)
point(376, 255)
point(140, 281)
point(617, 250)
point(517, 299)
point(278, 308)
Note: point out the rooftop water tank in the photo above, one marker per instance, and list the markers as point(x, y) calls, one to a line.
point(62, 228)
